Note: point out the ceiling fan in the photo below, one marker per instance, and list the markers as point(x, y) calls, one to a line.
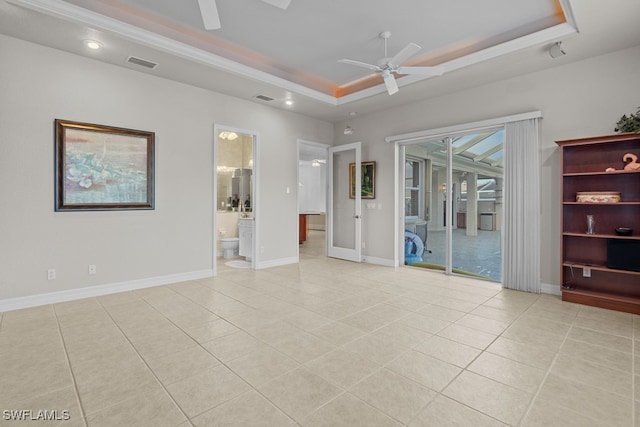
point(211, 19)
point(390, 66)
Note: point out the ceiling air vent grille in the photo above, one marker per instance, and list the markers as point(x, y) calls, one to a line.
point(142, 62)
point(264, 98)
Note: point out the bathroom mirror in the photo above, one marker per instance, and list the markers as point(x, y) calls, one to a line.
point(235, 172)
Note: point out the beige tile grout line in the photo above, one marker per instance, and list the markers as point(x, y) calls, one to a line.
point(558, 353)
point(253, 388)
point(438, 393)
point(546, 375)
point(142, 358)
point(475, 358)
point(73, 377)
point(189, 419)
point(302, 365)
point(223, 363)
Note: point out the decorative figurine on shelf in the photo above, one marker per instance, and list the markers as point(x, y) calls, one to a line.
point(632, 164)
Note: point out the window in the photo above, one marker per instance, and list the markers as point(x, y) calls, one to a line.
point(486, 190)
point(413, 188)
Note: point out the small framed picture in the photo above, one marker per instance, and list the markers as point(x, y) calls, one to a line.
point(368, 190)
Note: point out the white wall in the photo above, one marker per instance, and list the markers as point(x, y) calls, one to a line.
point(581, 99)
point(38, 85)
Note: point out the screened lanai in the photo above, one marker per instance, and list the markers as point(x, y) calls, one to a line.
point(477, 179)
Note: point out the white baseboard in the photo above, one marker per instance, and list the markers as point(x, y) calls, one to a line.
point(547, 288)
point(276, 262)
point(379, 261)
point(99, 290)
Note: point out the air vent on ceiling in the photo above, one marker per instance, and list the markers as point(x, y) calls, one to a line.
point(142, 62)
point(264, 98)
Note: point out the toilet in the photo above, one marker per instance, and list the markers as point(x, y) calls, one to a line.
point(230, 247)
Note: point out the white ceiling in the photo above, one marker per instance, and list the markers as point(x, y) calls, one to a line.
point(293, 53)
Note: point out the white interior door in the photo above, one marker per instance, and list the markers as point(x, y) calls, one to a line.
point(344, 216)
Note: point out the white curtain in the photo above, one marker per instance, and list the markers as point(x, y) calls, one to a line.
point(521, 231)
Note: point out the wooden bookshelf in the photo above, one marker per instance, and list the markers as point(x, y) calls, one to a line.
point(586, 277)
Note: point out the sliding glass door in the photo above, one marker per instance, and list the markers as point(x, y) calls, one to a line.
point(453, 204)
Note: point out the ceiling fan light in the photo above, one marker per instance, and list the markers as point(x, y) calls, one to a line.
point(390, 82)
point(348, 130)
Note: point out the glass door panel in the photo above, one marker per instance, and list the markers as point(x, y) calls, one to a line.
point(460, 199)
point(477, 179)
point(344, 202)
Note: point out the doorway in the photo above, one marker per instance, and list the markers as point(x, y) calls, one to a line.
point(312, 195)
point(235, 198)
point(453, 203)
point(333, 168)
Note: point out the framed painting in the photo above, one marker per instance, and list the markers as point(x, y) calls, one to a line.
point(368, 190)
point(103, 167)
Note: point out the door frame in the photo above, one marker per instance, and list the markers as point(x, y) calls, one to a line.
point(255, 193)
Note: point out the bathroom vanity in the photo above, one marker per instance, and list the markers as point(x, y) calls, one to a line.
point(245, 233)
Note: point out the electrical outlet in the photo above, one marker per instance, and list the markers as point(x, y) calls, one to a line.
point(586, 272)
point(92, 269)
point(51, 274)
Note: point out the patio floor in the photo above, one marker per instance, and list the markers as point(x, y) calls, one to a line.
point(479, 254)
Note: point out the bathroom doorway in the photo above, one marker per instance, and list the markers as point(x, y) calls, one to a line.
point(235, 198)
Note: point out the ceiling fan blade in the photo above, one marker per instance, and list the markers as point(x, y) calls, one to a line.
point(282, 4)
point(422, 71)
point(407, 52)
point(390, 82)
point(209, 12)
point(360, 64)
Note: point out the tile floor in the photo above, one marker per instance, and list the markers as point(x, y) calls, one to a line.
point(322, 343)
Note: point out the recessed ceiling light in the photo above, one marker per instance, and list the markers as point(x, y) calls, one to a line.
point(92, 44)
point(289, 102)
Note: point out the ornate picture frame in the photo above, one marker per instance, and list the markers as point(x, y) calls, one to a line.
point(100, 167)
